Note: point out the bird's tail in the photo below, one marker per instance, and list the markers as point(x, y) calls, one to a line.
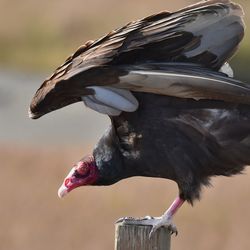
point(233, 133)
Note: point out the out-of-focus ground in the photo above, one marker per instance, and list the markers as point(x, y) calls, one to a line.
point(35, 37)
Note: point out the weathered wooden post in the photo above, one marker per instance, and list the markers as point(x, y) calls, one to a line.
point(135, 236)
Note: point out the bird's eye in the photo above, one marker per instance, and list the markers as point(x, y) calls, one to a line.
point(77, 174)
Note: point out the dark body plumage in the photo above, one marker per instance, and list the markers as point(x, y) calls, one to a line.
point(183, 140)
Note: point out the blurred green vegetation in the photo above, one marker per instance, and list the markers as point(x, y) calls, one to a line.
point(241, 61)
point(38, 36)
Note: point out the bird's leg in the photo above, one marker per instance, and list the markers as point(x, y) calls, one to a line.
point(156, 222)
point(166, 219)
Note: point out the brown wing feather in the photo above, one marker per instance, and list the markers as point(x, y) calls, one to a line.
point(158, 38)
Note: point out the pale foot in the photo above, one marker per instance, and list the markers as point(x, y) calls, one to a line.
point(163, 221)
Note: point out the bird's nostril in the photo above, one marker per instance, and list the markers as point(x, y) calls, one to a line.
point(66, 183)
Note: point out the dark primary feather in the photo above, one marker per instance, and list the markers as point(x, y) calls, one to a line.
point(207, 33)
point(183, 140)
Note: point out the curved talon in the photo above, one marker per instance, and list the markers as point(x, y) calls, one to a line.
point(148, 217)
point(151, 233)
point(155, 227)
point(119, 220)
point(173, 229)
point(161, 223)
point(124, 219)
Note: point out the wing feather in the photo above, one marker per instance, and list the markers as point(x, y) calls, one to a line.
point(187, 35)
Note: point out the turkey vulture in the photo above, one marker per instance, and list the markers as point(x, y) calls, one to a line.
point(175, 110)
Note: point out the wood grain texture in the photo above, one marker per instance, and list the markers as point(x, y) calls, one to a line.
point(136, 237)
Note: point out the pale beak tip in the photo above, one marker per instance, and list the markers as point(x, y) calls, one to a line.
point(62, 191)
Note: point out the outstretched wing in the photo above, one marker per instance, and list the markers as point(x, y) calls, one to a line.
point(207, 33)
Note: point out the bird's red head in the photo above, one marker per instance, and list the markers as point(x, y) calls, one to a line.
point(83, 173)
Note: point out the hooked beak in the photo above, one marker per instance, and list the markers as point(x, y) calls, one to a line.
point(63, 190)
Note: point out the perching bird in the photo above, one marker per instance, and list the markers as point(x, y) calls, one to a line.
point(176, 112)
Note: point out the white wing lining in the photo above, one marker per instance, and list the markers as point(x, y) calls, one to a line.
point(111, 101)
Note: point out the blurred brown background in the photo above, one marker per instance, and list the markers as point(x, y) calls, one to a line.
point(35, 37)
